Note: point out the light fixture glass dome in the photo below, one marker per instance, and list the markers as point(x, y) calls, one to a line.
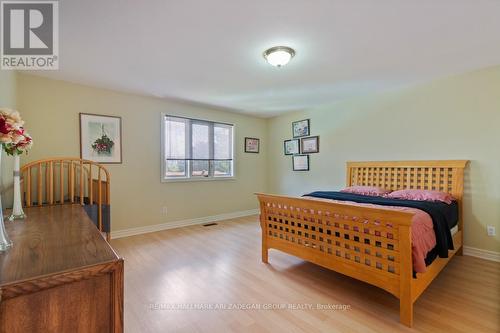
point(279, 55)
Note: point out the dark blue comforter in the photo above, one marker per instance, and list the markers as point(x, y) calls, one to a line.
point(444, 216)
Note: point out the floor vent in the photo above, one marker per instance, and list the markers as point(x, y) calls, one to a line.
point(209, 224)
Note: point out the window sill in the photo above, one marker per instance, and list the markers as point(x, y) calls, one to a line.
point(200, 179)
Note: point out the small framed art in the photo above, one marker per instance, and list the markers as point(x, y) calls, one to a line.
point(301, 128)
point(101, 138)
point(292, 147)
point(252, 145)
point(300, 162)
point(310, 145)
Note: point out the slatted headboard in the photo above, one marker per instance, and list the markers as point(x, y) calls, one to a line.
point(444, 176)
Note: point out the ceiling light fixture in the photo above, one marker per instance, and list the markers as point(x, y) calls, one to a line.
point(279, 55)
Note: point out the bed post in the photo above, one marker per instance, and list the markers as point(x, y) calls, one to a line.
point(405, 276)
point(265, 256)
point(459, 185)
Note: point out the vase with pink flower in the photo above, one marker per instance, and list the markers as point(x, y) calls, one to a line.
point(11, 129)
point(22, 145)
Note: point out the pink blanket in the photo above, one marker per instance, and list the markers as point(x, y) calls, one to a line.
point(422, 231)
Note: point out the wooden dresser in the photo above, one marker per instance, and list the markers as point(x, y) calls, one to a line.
point(60, 275)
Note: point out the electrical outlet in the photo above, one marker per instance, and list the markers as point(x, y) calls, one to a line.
point(164, 210)
point(491, 230)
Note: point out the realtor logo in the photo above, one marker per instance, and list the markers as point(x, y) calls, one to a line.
point(29, 33)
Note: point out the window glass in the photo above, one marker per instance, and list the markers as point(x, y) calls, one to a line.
point(176, 168)
point(222, 142)
point(175, 139)
point(200, 141)
point(223, 168)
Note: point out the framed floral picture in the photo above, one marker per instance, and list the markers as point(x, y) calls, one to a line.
point(101, 138)
point(292, 147)
point(300, 162)
point(252, 145)
point(301, 128)
point(310, 145)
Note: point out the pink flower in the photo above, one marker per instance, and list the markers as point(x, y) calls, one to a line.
point(10, 125)
point(4, 127)
point(13, 138)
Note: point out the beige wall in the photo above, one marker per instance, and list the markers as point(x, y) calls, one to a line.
point(7, 100)
point(7, 89)
point(51, 109)
point(454, 118)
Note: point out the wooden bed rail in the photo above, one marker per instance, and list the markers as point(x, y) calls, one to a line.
point(66, 180)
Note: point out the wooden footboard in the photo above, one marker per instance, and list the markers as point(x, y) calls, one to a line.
point(371, 245)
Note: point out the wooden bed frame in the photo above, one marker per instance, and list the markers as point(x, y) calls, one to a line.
point(326, 233)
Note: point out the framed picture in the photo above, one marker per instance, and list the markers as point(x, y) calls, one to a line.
point(310, 145)
point(300, 162)
point(292, 147)
point(100, 138)
point(301, 128)
point(252, 145)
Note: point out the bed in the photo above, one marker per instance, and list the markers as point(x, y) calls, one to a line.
point(328, 233)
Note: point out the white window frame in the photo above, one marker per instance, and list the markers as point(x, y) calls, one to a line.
point(189, 177)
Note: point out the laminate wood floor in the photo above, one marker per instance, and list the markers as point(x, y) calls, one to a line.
point(211, 279)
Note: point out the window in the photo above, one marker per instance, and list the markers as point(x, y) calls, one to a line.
point(196, 149)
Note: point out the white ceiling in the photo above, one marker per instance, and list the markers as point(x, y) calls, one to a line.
point(210, 52)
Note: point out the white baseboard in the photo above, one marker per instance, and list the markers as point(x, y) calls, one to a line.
point(483, 254)
point(182, 223)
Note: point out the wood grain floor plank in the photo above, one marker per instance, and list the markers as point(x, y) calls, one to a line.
point(221, 265)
